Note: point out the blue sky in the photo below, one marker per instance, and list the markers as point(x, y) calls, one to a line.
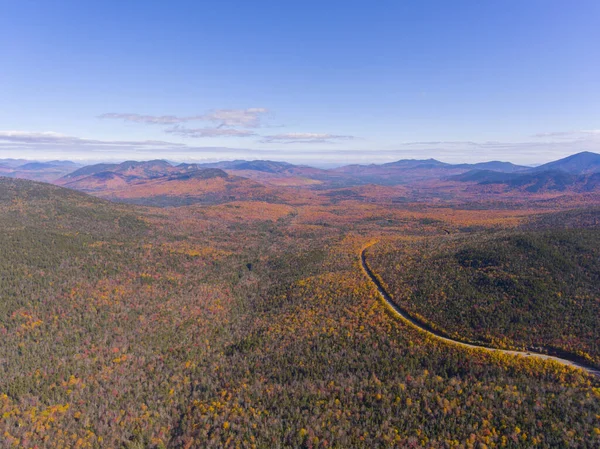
point(318, 82)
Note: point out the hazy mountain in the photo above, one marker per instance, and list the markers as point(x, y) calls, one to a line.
point(416, 163)
point(543, 181)
point(36, 171)
point(420, 164)
point(408, 171)
point(37, 166)
point(406, 164)
point(499, 166)
point(486, 176)
point(43, 165)
point(13, 162)
point(257, 165)
point(580, 163)
point(404, 171)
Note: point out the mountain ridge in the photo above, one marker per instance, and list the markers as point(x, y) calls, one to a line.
point(581, 163)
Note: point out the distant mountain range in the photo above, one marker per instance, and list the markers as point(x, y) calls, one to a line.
point(103, 177)
point(409, 171)
point(147, 169)
point(36, 171)
point(12, 163)
point(263, 166)
point(551, 180)
point(505, 167)
point(578, 172)
point(159, 183)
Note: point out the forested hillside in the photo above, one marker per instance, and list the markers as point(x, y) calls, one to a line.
point(244, 325)
point(532, 287)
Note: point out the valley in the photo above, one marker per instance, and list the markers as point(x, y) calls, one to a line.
point(219, 310)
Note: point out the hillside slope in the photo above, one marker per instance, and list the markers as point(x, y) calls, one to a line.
point(96, 325)
point(534, 288)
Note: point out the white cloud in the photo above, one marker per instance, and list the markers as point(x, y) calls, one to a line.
point(208, 132)
point(52, 145)
point(34, 137)
point(245, 118)
point(48, 138)
point(149, 119)
point(441, 142)
point(570, 134)
point(305, 138)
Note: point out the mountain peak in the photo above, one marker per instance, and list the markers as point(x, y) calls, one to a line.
point(581, 163)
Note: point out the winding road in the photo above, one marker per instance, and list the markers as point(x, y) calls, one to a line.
point(396, 310)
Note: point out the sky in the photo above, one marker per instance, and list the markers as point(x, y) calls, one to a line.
point(315, 82)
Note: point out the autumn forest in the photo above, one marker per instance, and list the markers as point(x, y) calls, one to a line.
point(228, 309)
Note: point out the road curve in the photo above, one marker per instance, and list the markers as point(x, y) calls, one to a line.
point(394, 308)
